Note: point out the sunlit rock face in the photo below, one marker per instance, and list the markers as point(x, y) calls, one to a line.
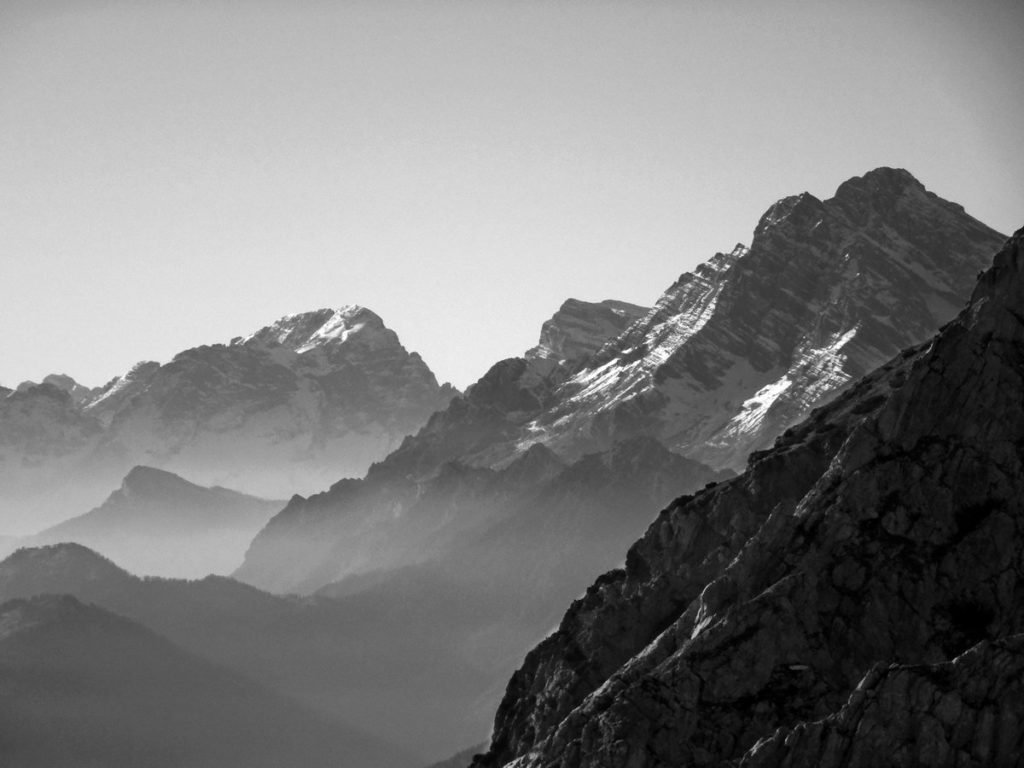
point(290, 408)
point(755, 622)
point(747, 344)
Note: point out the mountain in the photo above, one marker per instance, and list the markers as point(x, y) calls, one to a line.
point(746, 345)
point(289, 408)
point(159, 524)
point(855, 593)
point(84, 687)
point(286, 409)
point(353, 660)
point(728, 358)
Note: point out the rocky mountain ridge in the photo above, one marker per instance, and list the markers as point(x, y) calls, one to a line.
point(748, 622)
point(289, 408)
point(730, 356)
point(751, 341)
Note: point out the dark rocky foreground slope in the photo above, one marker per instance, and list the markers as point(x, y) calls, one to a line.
point(84, 688)
point(749, 622)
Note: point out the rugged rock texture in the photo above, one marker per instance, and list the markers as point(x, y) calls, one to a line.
point(290, 408)
point(85, 688)
point(729, 357)
point(751, 341)
point(159, 524)
point(966, 712)
point(580, 328)
point(887, 528)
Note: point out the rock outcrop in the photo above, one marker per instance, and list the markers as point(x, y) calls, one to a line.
point(965, 712)
point(886, 529)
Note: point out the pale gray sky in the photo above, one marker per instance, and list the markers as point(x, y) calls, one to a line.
point(178, 173)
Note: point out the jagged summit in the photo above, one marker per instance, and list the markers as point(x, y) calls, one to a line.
point(749, 342)
point(733, 353)
point(579, 328)
point(291, 408)
point(305, 330)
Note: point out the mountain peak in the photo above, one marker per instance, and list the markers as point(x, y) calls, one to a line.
point(801, 208)
point(306, 330)
point(579, 328)
point(143, 480)
point(879, 188)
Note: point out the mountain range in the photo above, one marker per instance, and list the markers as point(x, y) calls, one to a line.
point(864, 546)
point(853, 597)
point(729, 357)
point(290, 408)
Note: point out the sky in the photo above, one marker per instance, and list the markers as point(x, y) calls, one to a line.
point(180, 173)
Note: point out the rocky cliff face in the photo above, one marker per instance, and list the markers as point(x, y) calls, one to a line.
point(581, 328)
point(886, 529)
point(290, 408)
point(751, 341)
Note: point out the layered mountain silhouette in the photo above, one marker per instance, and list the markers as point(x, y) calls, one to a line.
point(159, 524)
point(738, 627)
point(728, 358)
point(290, 408)
point(83, 687)
point(352, 660)
point(853, 597)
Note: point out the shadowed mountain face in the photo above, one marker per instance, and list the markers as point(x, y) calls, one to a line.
point(290, 408)
point(158, 524)
point(83, 687)
point(886, 529)
point(729, 357)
